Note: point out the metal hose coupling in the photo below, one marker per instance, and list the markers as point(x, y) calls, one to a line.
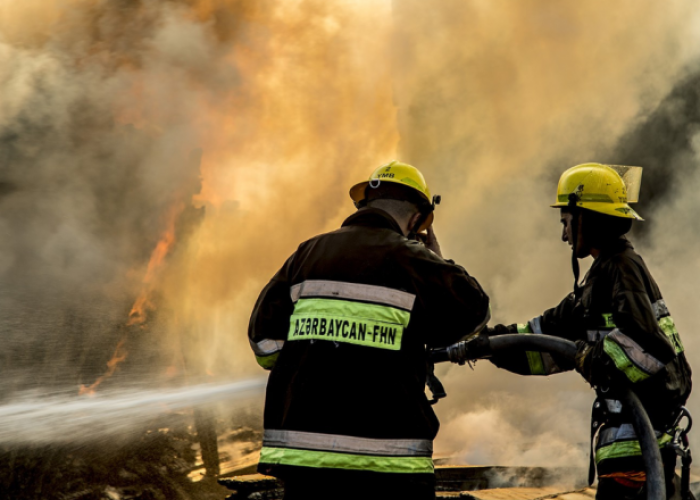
point(469, 350)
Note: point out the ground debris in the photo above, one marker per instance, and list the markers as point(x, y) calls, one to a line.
point(152, 466)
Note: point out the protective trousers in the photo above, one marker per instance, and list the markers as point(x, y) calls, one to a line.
point(324, 488)
point(610, 489)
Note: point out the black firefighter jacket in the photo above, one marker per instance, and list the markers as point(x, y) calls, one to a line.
point(620, 311)
point(344, 327)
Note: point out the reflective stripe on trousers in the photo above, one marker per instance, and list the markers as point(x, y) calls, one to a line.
point(308, 449)
point(621, 442)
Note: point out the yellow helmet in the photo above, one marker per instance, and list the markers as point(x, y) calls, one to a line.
point(398, 173)
point(601, 188)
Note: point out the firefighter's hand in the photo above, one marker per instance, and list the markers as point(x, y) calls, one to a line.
point(492, 331)
point(430, 241)
point(477, 347)
point(583, 359)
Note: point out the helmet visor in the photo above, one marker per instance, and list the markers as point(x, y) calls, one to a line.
point(632, 177)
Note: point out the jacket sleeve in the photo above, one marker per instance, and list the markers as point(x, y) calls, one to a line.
point(558, 322)
point(269, 322)
point(454, 302)
point(637, 346)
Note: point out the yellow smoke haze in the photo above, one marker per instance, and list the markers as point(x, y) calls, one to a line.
point(292, 102)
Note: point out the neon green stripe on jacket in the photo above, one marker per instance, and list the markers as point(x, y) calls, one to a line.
point(534, 358)
point(267, 362)
point(622, 362)
point(347, 461)
point(669, 328)
point(358, 323)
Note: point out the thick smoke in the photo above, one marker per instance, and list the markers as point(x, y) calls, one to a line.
point(495, 100)
point(668, 140)
point(107, 109)
point(250, 120)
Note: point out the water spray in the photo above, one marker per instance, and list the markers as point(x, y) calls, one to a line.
point(69, 419)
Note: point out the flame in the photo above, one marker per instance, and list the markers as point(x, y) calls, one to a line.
point(119, 355)
point(139, 311)
point(241, 106)
point(143, 303)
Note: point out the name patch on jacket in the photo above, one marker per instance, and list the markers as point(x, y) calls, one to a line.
point(370, 325)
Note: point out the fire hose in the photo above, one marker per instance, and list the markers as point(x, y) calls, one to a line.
point(482, 347)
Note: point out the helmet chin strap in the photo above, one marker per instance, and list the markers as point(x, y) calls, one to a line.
point(574, 235)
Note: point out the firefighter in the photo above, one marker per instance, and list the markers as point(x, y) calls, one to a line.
point(622, 327)
point(343, 326)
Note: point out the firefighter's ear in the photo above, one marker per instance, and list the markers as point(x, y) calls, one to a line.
point(415, 219)
point(412, 226)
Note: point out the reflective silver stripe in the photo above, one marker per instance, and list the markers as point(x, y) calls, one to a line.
point(634, 351)
point(536, 324)
point(614, 406)
point(660, 309)
point(353, 291)
point(266, 347)
point(548, 364)
point(348, 444)
point(597, 335)
point(625, 432)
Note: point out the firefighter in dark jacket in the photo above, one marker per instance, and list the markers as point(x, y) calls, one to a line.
point(343, 327)
point(620, 322)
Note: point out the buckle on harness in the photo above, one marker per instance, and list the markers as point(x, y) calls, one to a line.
point(680, 441)
point(681, 446)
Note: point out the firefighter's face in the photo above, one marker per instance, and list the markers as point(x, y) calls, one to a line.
point(567, 234)
point(566, 229)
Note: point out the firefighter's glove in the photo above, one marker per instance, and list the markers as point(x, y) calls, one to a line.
point(492, 331)
point(583, 359)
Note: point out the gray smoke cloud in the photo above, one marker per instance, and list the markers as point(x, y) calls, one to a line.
point(495, 101)
point(671, 239)
point(145, 148)
point(85, 191)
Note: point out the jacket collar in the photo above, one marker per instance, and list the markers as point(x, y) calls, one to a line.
point(616, 246)
point(373, 217)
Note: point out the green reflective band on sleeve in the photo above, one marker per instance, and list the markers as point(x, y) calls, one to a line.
point(268, 362)
point(622, 362)
point(624, 449)
point(370, 325)
point(524, 328)
point(608, 318)
point(534, 358)
point(330, 460)
point(669, 328)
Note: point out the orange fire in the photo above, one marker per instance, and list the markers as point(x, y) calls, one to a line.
point(139, 311)
point(118, 356)
point(143, 303)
